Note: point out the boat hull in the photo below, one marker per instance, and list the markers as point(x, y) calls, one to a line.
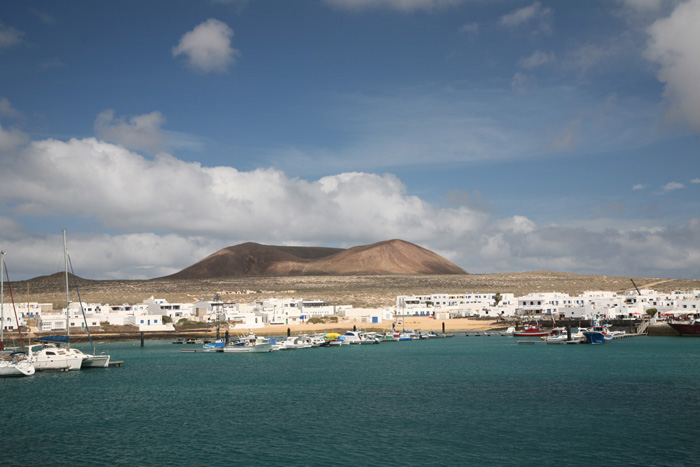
point(8, 369)
point(686, 329)
point(530, 334)
point(597, 338)
point(258, 348)
point(96, 361)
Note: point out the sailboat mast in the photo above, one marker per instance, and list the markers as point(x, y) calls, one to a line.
point(2, 300)
point(65, 257)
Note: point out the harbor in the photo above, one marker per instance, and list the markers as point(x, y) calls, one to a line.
point(453, 400)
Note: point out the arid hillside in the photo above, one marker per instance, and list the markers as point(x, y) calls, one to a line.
point(253, 259)
point(358, 290)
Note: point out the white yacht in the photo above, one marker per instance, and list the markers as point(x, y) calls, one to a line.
point(249, 344)
point(13, 365)
point(48, 357)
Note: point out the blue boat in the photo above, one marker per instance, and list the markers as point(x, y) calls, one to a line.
point(597, 335)
point(216, 346)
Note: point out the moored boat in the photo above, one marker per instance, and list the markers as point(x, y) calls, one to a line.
point(250, 344)
point(597, 335)
point(690, 327)
point(531, 330)
point(15, 365)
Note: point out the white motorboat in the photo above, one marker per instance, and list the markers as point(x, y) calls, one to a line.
point(48, 357)
point(357, 338)
point(295, 342)
point(14, 365)
point(249, 344)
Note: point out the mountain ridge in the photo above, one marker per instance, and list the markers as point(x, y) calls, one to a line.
point(381, 258)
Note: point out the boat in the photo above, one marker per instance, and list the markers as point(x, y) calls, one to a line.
point(689, 327)
point(250, 344)
point(15, 365)
point(179, 340)
point(86, 360)
point(531, 330)
point(597, 334)
point(357, 338)
point(191, 340)
point(91, 360)
point(294, 343)
point(216, 346)
point(562, 336)
point(49, 357)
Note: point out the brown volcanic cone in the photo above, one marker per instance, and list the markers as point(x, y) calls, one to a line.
point(389, 257)
point(252, 259)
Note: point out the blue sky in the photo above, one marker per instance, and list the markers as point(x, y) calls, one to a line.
point(504, 135)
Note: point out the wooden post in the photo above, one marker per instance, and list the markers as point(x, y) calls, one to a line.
point(141, 338)
point(443, 327)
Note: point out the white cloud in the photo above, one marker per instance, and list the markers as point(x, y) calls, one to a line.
point(6, 109)
point(534, 14)
point(695, 180)
point(140, 132)
point(537, 59)
point(673, 44)
point(670, 186)
point(202, 209)
point(11, 139)
point(208, 47)
point(9, 36)
point(401, 5)
point(638, 186)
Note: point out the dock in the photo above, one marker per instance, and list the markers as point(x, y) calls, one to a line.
point(116, 363)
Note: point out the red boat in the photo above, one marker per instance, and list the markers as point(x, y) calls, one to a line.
point(687, 328)
point(531, 330)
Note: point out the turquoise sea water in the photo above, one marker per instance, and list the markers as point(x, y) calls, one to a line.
point(455, 401)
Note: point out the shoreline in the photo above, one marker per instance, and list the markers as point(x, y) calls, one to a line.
point(410, 323)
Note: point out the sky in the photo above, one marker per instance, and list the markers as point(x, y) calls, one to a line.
point(504, 135)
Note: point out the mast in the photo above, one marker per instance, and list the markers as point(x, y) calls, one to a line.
point(65, 257)
point(2, 300)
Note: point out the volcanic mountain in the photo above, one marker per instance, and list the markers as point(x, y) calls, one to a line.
point(253, 259)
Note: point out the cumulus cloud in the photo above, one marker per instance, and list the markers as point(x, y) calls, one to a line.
point(207, 47)
point(9, 36)
point(401, 5)
point(670, 186)
point(6, 109)
point(534, 14)
point(537, 59)
point(164, 214)
point(695, 180)
point(11, 139)
point(638, 186)
point(139, 132)
point(673, 44)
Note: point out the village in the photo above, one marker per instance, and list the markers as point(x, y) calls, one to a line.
point(153, 315)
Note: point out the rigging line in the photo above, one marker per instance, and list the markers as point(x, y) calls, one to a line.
point(87, 328)
point(21, 341)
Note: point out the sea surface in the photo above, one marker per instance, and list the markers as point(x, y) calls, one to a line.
point(453, 401)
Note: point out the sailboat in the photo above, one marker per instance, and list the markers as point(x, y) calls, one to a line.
point(14, 364)
point(79, 359)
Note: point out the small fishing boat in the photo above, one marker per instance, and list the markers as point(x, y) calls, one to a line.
point(598, 334)
point(250, 344)
point(531, 330)
point(216, 346)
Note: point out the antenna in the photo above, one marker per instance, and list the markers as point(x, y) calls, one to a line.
point(635, 286)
